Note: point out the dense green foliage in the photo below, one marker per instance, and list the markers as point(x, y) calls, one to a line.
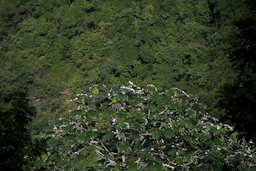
point(171, 43)
point(16, 113)
point(141, 128)
point(52, 49)
point(239, 96)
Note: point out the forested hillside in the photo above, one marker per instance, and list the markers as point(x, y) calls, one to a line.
point(51, 50)
point(60, 45)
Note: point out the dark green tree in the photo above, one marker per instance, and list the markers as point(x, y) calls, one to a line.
point(239, 97)
point(16, 113)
